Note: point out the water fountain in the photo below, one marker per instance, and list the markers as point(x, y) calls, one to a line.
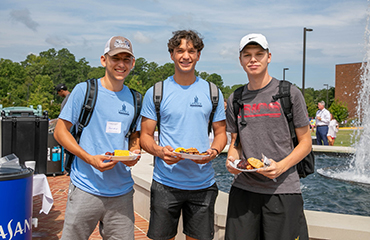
point(358, 169)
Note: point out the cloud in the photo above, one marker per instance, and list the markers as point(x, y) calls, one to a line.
point(141, 38)
point(57, 41)
point(228, 52)
point(24, 16)
point(183, 21)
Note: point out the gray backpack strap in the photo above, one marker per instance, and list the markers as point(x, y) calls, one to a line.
point(157, 98)
point(138, 98)
point(213, 90)
point(238, 106)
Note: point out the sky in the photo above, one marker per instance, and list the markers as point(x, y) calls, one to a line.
point(84, 26)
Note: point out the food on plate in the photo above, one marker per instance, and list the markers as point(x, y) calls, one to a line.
point(244, 164)
point(191, 150)
point(256, 163)
point(121, 153)
point(250, 163)
point(180, 149)
point(118, 153)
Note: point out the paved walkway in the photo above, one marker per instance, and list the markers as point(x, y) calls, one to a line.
point(50, 225)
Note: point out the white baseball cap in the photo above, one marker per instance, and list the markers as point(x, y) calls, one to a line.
point(253, 37)
point(117, 45)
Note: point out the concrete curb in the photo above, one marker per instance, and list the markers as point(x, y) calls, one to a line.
point(321, 225)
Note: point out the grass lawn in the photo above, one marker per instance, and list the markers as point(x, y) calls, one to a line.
point(344, 137)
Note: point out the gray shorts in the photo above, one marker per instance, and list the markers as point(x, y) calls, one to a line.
point(197, 207)
point(84, 211)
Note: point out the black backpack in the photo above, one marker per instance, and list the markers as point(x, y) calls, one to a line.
point(158, 94)
point(87, 111)
point(307, 165)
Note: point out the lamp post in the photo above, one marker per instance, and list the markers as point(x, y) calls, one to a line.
point(304, 55)
point(284, 72)
point(327, 95)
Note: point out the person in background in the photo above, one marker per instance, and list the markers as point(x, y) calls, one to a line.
point(332, 130)
point(183, 185)
point(63, 92)
point(312, 124)
point(266, 204)
point(322, 122)
point(228, 134)
point(101, 190)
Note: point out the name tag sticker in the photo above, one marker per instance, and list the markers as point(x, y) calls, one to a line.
point(113, 127)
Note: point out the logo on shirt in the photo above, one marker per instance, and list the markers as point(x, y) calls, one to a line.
point(271, 110)
point(196, 103)
point(123, 110)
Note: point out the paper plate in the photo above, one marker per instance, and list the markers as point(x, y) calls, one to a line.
point(132, 157)
point(191, 156)
point(235, 164)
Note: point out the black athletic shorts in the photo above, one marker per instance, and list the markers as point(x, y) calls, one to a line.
point(197, 206)
point(265, 217)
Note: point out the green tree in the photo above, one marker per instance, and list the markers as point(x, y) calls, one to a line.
point(227, 91)
point(203, 75)
point(147, 74)
point(42, 94)
point(32, 82)
point(12, 79)
point(311, 109)
point(163, 72)
point(339, 110)
point(34, 65)
point(96, 72)
point(62, 67)
point(216, 79)
point(136, 84)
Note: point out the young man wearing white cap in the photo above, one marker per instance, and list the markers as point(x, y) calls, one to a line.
point(266, 204)
point(101, 190)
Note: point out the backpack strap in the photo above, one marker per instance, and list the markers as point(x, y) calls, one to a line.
point(237, 106)
point(88, 106)
point(213, 90)
point(157, 98)
point(286, 105)
point(138, 98)
point(158, 95)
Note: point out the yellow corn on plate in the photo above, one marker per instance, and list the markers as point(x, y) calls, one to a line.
point(121, 153)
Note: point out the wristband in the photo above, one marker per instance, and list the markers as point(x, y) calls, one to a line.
point(216, 150)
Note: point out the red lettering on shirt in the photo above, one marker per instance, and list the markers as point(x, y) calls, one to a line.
point(271, 110)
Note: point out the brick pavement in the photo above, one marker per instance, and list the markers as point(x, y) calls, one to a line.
point(50, 225)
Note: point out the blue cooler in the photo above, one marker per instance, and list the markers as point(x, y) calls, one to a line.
point(16, 203)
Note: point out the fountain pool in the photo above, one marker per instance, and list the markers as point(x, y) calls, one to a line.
point(319, 193)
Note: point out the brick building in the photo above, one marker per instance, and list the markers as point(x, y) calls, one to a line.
point(347, 85)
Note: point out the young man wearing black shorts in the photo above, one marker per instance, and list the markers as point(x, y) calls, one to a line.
point(266, 204)
point(183, 185)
